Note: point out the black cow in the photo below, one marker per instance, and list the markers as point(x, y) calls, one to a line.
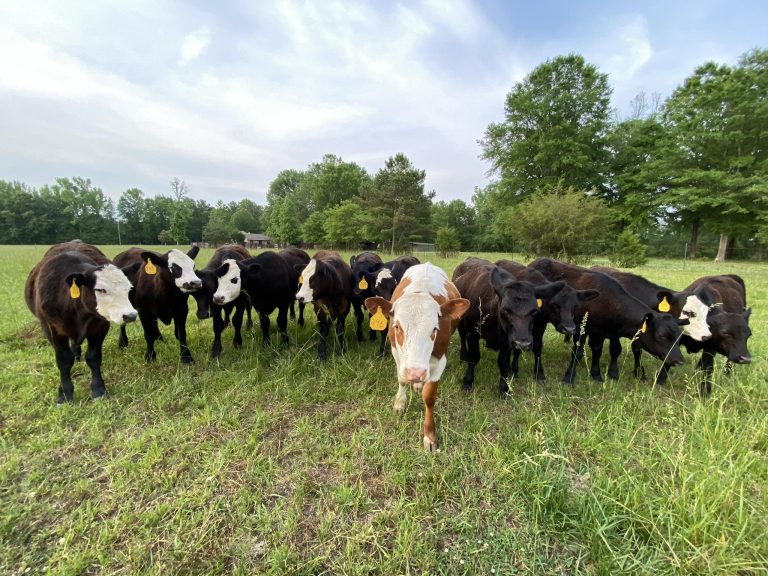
point(558, 309)
point(614, 314)
point(327, 283)
point(365, 268)
point(684, 305)
point(207, 307)
point(267, 283)
point(501, 311)
point(729, 321)
point(162, 285)
point(75, 292)
point(297, 260)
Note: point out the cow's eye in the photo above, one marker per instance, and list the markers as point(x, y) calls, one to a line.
point(689, 313)
point(234, 280)
point(101, 290)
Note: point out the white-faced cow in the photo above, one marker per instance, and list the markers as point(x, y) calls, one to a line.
point(207, 307)
point(387, 280)
point(265, 282)
point(502, 312)
point(729, 321)
point(423, 313)
point(365, 268)
point(685, 305)
point(75, 292)
point(162, 285)
point(297, 260)
point(614, 314)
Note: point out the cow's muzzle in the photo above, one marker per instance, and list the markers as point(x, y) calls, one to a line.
point(130, 317)
point(415, 375)
point(192, 286)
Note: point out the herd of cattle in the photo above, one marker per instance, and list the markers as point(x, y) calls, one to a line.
point(76, 292)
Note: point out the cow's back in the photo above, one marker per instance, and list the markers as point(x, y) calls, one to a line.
point(727, 289)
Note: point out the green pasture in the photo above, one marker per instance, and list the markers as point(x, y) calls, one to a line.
point(268, 462)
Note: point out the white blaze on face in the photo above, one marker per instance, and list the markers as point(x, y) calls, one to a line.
point(230, 284)
point(383, 274)
point(187, 267)
point(416, 317)
point(305, 292)
point(111, 289)
point(696, 312)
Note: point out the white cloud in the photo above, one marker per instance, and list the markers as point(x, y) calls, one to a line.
point(194, 44)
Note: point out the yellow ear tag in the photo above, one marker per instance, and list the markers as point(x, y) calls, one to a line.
point(150, 268)
point(301, 280)
point(74, 290)
point(378, 320)
point(644, 327)
point(538, 302)
point(363, 285)
point(664, 305)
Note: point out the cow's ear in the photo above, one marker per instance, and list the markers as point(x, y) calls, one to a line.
point(375, 302)
point(221, 270)
point(586, 295)
point(193, 252)
point(157, 259)
point(77, 280)
point(747, 313)
point(253, 269)
point(378, 266)
point(704, 295)
point(455, 308)
point(500, 278)
point(130, 271)
point(321, 270)
point(666, 300)
point(548, 290)
point(352, 261)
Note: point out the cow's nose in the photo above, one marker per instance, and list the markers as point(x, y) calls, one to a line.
point(202, 314)
point(523, 344)
point(744, 359)
point(196, 285)
point(300, 298)
point(569, 330)
point(415, 374)
point(218, 300)
point(130, 317)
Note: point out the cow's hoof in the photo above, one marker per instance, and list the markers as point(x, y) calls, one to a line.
point(284, 340)
point(301, 322)
point(64, 400)
point(430, 445)
point(417, 386)
point(399, 408)
point(359, 336)
point(187, 360)
point(98, 393)
point(150, 356)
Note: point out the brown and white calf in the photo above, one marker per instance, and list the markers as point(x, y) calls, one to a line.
point(423, 314)
point(75, 292)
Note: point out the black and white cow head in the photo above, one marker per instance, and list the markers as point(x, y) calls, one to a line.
point(104, 289)
point(181, 267)
point(318, 280)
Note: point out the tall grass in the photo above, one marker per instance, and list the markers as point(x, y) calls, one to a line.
point(269, 462)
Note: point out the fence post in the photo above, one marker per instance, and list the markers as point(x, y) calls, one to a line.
point(685, 255)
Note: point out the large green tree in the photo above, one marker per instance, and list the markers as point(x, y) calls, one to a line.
point(131, 209)
point(398, 208)
point(460, 218)
point(554, 129)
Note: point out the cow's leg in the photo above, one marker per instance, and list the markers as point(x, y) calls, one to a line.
point(77, 350)
point(577, 353)
point(122, 340)
point(515, 365)
point(401, 398)
point(614, 352)
point(237, 324)
point(180, 329)
point(151, 334)
point(383, 340)
point(538, 348)
point(93, 359)
point(301, 313)
point(64, 361)
point(248, 307)
point(218, 327)
point(371, 331)
point(359, 317)
point(596, 345)
point(282, 323)
point(706, 364)
point(472, 357)
point(292, 309)
point(265, 324)
point(341, 321)
point(429, 395)
point(661, 379)
point(325, 327)
point(505, 368)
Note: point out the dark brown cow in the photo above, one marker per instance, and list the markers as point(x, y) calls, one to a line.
point(501, 312)
point(612, 315)
point(297, 260)
point(207, 307)
point(75, 292)
point(162, 285)
point(365, 267)
point(729, 321)
point(327, 283)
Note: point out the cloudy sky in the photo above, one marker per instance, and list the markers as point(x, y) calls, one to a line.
point(226, 94)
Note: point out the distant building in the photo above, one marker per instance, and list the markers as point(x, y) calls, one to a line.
point(421, 247)
point(258, 241)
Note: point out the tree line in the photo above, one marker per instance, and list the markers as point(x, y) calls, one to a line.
point(570, 177)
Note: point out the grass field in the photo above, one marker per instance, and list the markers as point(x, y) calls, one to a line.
point(269, 462)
